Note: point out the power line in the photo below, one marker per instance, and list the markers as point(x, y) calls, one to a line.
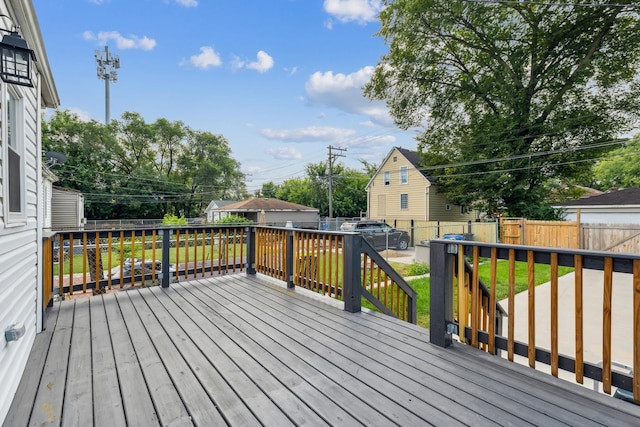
point(542, 3)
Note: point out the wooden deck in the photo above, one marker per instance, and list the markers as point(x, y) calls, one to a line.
point(238, 350)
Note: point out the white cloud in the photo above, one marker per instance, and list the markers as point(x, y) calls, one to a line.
point(344, 92)
point(206, 59)
point(83, 115)
point(291, 71)
point(187, 3)
point(308, 134)
point(131, 42)
point(367, 123)
point(371, 141)
point(285, 153)
point(263, 63)
point(360, 11)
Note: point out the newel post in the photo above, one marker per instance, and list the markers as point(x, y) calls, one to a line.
point(351, 286)
point(251, 250)
point(289, 259)
point(166, 245)
point(441, 289)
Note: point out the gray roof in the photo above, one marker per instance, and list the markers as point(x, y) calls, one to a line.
point(628, 196)
point(258, 204)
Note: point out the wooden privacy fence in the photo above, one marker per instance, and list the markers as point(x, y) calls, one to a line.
point(554, 234)
point(620, 238)
point(429, 230)
point(464, 313)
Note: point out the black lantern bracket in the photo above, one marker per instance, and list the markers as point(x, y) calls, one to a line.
point(15, 58)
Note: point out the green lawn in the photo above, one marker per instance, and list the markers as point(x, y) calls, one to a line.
point(542, 275)
point(148, 255)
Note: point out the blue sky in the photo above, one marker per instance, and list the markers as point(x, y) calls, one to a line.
point(280, 79)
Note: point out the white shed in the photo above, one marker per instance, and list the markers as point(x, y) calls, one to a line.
point(67, 209)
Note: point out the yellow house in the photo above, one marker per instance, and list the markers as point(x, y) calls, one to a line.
point(400, 190)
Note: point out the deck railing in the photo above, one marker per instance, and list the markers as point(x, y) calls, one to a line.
point(464, 315)
point(340, 265)
point(95, 261)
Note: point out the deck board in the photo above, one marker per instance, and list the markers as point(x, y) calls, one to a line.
point(238, 350)
point(77, 398)
point(107, 408)
point(136, 399)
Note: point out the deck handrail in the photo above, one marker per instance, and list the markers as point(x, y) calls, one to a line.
point(184, 251)
point(467, 323)
point(340, 265)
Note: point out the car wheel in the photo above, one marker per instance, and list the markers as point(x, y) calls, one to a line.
point(403, 244)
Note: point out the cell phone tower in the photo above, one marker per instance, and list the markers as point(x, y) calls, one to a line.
point(107, 66)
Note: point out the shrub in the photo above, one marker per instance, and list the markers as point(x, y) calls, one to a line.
point(418, 269)
point(170, 219)
point(233, 219)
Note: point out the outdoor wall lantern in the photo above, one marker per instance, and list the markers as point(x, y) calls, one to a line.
point(15, 59)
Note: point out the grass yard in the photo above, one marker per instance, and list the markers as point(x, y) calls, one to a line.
point(542, 275)
point(148, 255)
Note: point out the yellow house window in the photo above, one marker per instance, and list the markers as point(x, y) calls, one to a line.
point(387, 178)
point(404, 175)
point(404, 201)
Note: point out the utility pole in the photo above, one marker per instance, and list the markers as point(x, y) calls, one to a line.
point(107, 66)
point(332, 157)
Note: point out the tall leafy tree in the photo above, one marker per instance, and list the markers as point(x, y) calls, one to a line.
point(620, 168)
point(135, 169)
point(509, 94)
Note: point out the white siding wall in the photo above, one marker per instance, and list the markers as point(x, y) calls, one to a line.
point(19, 255)
point(66, 209)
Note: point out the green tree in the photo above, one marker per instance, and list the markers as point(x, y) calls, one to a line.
point(135, 169)
point(509, 94)
point(621, 167)
point(269, 190)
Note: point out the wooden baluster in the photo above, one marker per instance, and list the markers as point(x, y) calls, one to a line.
point(492, 301)
point(84, 264)
point(121, 259)
point(142, 257)
point(554, 314)
point(177, 254)
point(511, 304)
point(531, 272)
point(71, 252)
point(606, 325)
point(133, 257)
point(463, 292)
point(109, 258)
point(579, 319)
point(475, 298)
point(153, 255)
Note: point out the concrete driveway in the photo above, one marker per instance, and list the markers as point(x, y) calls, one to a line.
point(593, 291)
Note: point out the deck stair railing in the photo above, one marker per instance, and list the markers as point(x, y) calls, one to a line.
point(340, 265)
point(463, 316)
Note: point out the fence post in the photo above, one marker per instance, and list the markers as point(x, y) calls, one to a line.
point(289, 259)
point(251, 250)
point(351, 286)
point(440, 305)
point(412, 234)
